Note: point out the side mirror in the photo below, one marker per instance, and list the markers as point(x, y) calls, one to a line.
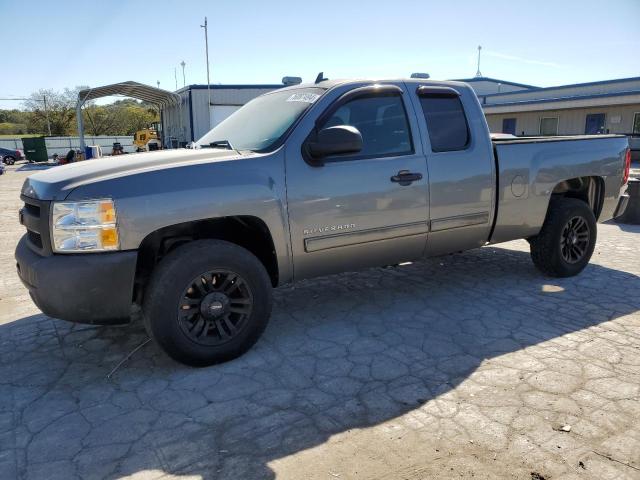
point(336, 140)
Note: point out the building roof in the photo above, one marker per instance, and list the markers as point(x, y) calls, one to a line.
point(564, 98)
point(624, 89)
point(543, 90)
point(265, 86)
point(494, 80)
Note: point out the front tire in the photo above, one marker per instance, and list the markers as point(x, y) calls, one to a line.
point(567, 239)
point(208, 302)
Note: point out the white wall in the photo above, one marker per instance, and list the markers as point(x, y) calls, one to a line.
point(220, 112)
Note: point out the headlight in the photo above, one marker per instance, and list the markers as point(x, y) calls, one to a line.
point(84, 226)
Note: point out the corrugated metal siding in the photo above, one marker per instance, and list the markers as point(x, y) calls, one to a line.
point(570, 122)
point(177, 120)
point(11, 143)
point(200, 112)
point(61, 145)
point(231, 96)
point(586, 102)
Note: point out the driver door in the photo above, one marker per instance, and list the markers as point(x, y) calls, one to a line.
point(352, 211)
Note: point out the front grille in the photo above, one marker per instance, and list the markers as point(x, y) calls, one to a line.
point(35, 218)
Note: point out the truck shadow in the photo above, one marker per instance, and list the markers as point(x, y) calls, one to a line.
point(341, 352)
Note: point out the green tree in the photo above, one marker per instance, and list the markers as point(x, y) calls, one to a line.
point(9, 128)
point(122, 117)
point(60, 112)
point(119, 118)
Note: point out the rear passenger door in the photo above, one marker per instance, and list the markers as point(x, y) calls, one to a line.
point(461, 168)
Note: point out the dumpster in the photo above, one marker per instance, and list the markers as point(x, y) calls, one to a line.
point(35, 149)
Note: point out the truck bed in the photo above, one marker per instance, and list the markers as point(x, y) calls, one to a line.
point(528, 169)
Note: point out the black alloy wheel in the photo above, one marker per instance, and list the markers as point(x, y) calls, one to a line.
point(574, 240)
point(214, 308)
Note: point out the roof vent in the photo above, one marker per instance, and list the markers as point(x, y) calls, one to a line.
point(291, 80)
point(420, 75)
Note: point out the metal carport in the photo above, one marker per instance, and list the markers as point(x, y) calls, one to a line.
point(156, 96)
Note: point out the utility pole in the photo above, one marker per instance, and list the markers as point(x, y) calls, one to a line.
point(206, 46)
point(175, 76)
point(46, 113)
point(184, 82)
point(478, 74)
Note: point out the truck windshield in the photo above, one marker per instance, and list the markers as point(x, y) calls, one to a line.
point(262, 122)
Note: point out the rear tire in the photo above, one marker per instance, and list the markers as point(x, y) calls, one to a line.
point(208, 302)
point(567, 239)
point(9, 160)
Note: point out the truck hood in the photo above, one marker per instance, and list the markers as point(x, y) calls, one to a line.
point(57, 182)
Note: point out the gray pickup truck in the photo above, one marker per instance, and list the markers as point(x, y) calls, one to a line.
point(304, 181)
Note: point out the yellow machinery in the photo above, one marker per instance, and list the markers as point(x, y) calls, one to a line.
point(147, 139)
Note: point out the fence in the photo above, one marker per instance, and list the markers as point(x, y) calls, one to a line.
point(61, 145)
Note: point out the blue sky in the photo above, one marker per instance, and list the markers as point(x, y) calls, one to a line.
point(544, 43)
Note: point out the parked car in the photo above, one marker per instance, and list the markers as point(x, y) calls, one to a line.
point(304, 181)
point(1, 168)
point(9, 155)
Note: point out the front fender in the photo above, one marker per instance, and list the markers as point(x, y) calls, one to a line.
point(151, 200)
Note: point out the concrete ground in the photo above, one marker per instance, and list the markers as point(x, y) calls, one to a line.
point(467, 366)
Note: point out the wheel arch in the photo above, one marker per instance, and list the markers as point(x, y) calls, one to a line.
point(589, 189)
point(246, 231)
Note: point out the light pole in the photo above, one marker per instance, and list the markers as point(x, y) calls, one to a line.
point(175, 76)
point(478, 74)
point(184, 82)
point(46, 113)
point(206, 46)
point(158, 83)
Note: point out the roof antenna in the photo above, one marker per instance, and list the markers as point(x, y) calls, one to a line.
point(320, 78)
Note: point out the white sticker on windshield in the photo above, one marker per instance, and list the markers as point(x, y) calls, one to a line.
point(303, 97)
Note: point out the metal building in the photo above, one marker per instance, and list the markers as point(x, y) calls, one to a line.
point(191, 118)
point(610, 106)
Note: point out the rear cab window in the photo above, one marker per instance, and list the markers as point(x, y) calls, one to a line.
point(446, 121)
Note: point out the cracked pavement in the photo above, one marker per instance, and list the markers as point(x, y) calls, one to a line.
point(471, 365)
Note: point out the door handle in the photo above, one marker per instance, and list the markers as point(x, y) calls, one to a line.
point(405, 177)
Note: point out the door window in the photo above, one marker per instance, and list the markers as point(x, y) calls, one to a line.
point(446, 122)
point(509, 125)
point(381, 120)
point(594, 124)
point(549, 126)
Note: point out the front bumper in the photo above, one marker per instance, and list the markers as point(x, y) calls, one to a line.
point(92, 288)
